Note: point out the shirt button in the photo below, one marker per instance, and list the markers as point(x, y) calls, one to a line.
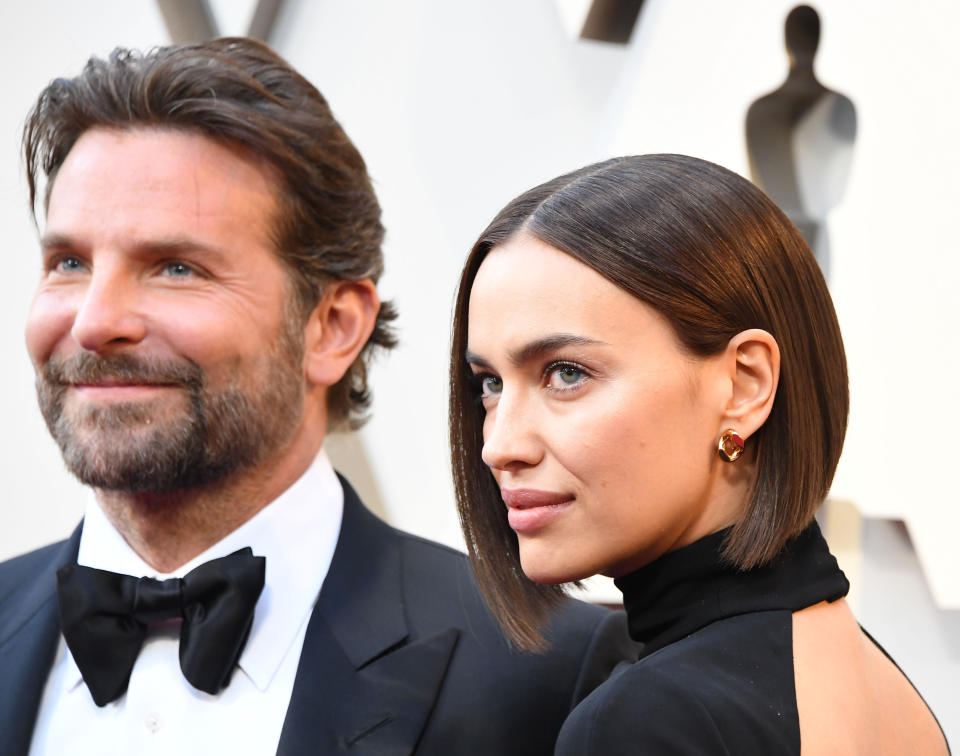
point(153, 723)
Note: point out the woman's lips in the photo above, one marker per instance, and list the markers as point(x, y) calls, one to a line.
point(529, 510)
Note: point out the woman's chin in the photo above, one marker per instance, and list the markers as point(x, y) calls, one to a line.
point(554, 572)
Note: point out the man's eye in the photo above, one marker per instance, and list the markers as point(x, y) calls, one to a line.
point(177, 270)
point(68, 265)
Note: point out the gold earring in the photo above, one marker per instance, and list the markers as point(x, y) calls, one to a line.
point(730, 446)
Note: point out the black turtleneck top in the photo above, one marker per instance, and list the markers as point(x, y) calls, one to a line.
point(715, 674)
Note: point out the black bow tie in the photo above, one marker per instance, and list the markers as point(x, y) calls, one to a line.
point(104, 618)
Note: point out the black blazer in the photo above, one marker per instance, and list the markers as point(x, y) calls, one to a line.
point(401, 656)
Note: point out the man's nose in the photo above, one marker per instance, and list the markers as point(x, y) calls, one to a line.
point(109, 316)
point(511, 438)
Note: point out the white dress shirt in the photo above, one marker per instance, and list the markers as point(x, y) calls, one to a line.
point(161, 713)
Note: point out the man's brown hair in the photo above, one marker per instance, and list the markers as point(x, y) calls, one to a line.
point(239, 92)
point(714, 256)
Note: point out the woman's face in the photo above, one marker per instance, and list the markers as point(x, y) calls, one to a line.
point(600, 429)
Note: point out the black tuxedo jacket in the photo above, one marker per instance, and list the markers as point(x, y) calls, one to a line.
point(401, 656)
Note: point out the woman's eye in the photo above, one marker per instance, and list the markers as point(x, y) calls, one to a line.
point(565, 376)
point(490, 385)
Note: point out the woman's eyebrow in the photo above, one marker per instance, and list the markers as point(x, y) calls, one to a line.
point(475, 359)
point(537, 348)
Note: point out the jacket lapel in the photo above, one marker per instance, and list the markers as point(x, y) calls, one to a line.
point(29, 631)
point(363, 685)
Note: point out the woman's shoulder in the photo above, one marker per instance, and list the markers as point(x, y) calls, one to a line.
point(640, 710)
point(727, 688)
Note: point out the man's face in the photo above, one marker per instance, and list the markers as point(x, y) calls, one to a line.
point(159, 331)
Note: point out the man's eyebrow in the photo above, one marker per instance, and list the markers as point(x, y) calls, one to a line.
point(175, 246)
point(49, 240)
point(537, 348)
point(160, 247)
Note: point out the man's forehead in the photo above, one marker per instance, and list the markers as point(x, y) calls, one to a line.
point(149, 178)
point(164, 152)
point(175, 140)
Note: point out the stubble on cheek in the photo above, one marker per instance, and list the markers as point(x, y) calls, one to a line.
point(190, 435)
point(121, 445)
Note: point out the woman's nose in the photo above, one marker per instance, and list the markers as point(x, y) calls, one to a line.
point(511, 439)
point(108, 317)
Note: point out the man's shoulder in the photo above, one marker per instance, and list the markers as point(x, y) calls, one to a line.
point(525, 696)
point(441, 587)
point(442, 571)
point(15, 570)
point(424, 548)
point(28, 586)
point(435, 589)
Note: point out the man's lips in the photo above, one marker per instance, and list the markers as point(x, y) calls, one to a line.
point(111, 383)
point(117, 389)
point(530, 510)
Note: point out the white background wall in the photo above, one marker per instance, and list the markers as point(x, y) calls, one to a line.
point(458, 106)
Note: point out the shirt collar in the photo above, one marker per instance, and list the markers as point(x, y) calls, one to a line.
point(297, 533)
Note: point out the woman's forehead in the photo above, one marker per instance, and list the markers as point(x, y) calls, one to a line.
point(526, 290)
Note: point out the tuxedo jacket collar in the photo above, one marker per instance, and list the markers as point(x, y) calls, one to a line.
point(365, 684)
point(362, 596)
point(29, 633)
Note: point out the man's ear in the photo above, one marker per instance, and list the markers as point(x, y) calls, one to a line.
point(752, 359)
point(338, 328)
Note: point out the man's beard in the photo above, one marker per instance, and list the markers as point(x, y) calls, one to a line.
point(131, 447)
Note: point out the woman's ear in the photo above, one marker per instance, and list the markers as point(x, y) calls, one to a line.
point(338, 328)
point(753, 360)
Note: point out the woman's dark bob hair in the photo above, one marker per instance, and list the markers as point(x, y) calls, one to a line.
point(715, 256)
